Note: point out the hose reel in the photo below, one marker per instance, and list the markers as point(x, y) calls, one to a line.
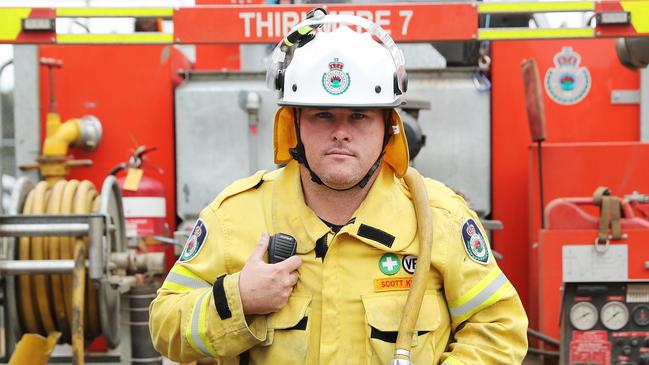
point(50, 222)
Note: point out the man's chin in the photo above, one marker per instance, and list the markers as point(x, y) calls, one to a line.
point(341, 181)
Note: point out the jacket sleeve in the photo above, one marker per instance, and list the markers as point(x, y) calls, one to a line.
point(488, 322)
point(197, 312)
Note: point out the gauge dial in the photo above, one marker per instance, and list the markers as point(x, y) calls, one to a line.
point(641, 315)
point(615, 315)
point(583, 316)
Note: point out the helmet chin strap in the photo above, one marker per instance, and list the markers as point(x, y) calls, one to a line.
point(299, 155)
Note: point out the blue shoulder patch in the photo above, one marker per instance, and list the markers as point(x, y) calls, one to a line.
point(194, 242)
point(474, 242)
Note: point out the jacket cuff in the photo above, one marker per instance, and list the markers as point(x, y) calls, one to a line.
point(220, 298)
point(252, 329)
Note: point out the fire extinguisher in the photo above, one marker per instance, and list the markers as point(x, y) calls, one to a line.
point(144, 202)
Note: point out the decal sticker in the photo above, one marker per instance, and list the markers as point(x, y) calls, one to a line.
point(388, 284)
point(194, 242)
point(335, 81)
point(474, 242)
point(409, 263)
point(592, 347)
point(567, 83)
point(389, 264)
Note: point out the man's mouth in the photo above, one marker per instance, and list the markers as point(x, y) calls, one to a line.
point(339, 151)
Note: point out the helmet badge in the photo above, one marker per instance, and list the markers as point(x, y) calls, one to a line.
point(335, 81)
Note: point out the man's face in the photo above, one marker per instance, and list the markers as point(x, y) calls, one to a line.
point(341, 144)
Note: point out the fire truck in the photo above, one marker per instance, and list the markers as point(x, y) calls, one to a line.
point(542, 128)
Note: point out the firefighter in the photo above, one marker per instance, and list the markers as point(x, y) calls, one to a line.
point(340, 298)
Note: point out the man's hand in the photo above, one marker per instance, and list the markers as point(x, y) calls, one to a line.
point(265, 288)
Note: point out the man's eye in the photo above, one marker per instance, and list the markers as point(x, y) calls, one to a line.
point(325, 115)
point(358, 116)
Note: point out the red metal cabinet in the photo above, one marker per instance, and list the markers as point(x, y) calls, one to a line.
point(130, 89)
point(592, 119)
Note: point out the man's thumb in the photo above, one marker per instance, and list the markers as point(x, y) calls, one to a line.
point(261, 248)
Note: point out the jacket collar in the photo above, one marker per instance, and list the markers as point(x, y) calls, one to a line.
point(385, 219)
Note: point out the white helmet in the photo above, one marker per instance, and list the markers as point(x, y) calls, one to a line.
point(340, 69)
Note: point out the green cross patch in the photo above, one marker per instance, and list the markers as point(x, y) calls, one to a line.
point(389, 264)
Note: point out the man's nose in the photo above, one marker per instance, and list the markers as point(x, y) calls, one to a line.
point(341, 131)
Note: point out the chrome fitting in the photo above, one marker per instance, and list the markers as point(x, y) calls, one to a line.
point(90, 132)
point(403, 353)
point(400, 362)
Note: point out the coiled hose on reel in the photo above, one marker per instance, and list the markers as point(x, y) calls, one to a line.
point(45, 301)
point(79, 308)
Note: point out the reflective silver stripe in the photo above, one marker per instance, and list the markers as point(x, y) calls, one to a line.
point(195, 316)
point(485, 294)
point(186, 281)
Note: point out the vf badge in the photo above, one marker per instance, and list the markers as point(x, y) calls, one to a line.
point(335, 81)
point(194, 242)
point(409, 263)
point(474, 242)
point(567, 83)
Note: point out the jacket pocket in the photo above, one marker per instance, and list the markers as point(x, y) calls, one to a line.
point(383, 312)
point(287, 341)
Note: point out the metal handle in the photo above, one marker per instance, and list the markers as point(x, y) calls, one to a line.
point(38, 230)
point(96, 253)
point(20, 267)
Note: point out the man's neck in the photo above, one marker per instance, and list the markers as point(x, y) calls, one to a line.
point(336, 207)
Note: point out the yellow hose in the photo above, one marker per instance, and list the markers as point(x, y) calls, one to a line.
point(54, 253)
point(41, 288)
point(420, 278)
point(64, 303)
point(27, 312)
point(78, 283)
point(34, 349)
point(83, 203)
point(93, 305)
point(67, 247)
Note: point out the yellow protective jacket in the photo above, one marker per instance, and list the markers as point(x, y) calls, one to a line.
point(347, 304)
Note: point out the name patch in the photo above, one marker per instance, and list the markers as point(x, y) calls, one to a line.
point(388, 284)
